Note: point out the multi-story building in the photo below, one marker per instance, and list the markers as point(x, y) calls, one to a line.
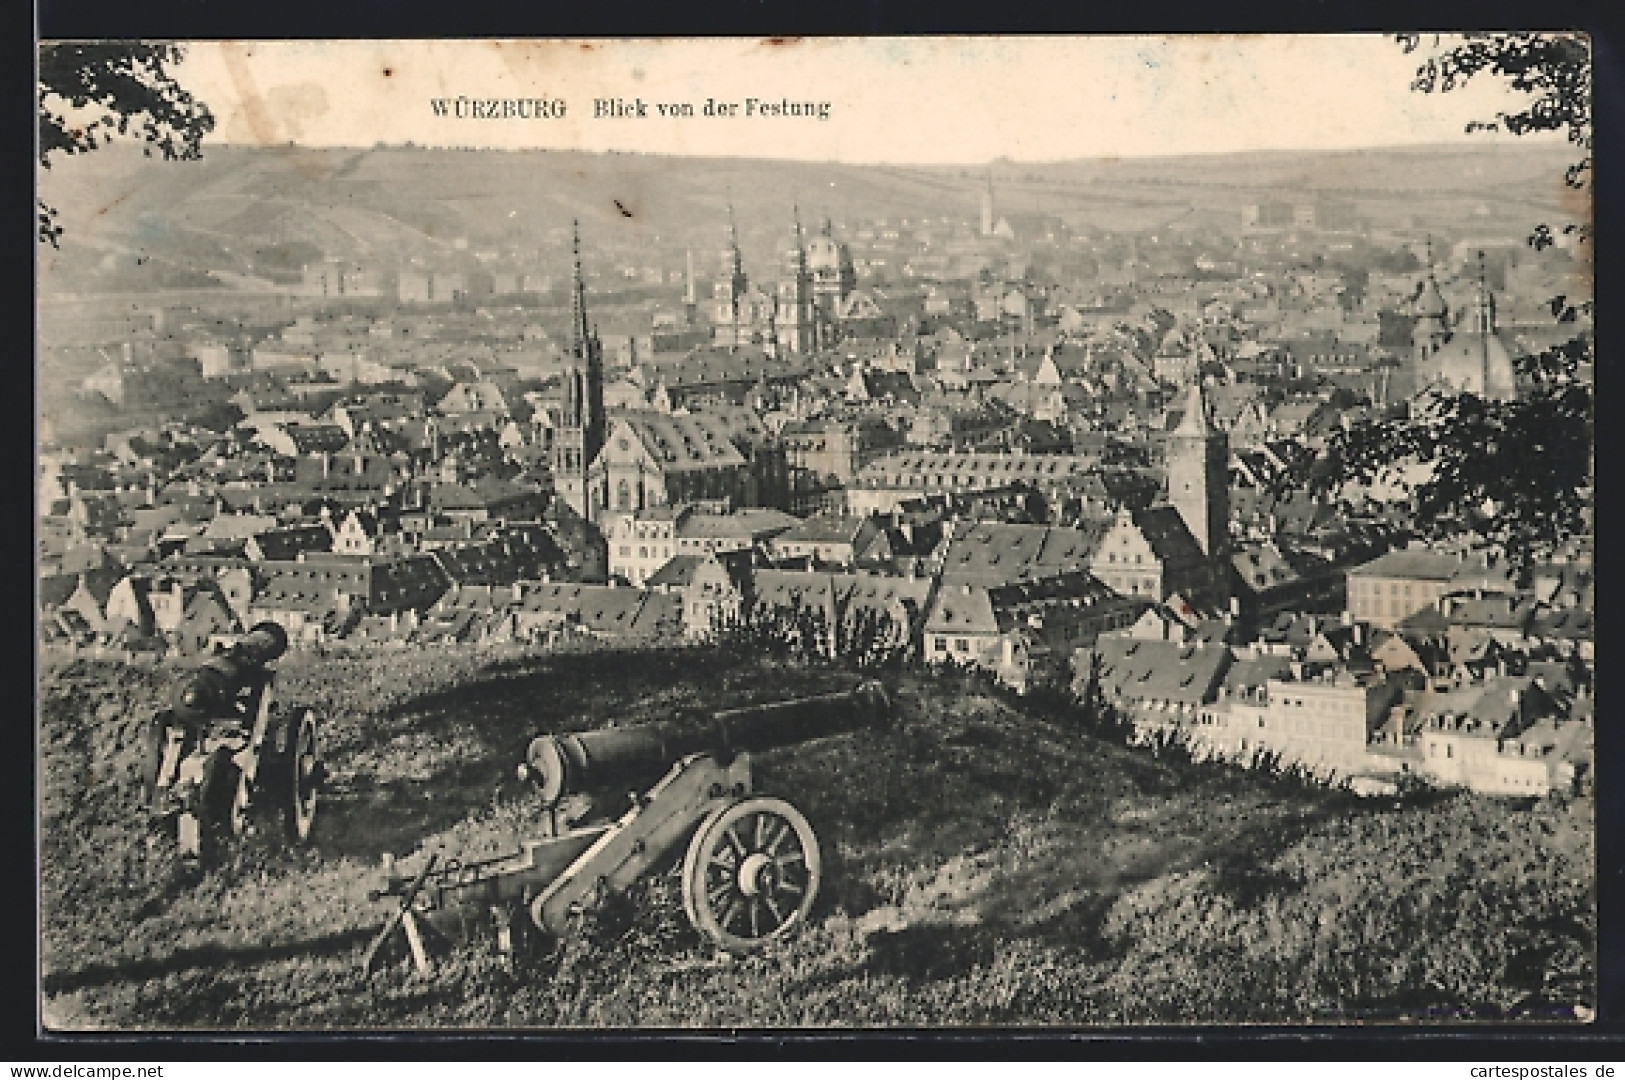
point(1023, 632)
point(883, 485)
point(1391, 587)
point(641, 543)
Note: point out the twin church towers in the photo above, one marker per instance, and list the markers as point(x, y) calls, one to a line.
point(800, 315)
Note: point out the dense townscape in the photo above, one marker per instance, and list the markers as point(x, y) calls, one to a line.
point(1063, 454)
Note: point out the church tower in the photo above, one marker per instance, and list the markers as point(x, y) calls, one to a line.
point(729, 290)
point(1432, 328)
point(1198, 465)
point(796, 318)
point(833, 279)
point(581, 431)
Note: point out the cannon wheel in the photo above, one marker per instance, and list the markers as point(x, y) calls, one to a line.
point(224, 796)
point(751, 873)
point(302, 776)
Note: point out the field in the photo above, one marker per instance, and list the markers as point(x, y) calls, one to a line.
point(990, 863)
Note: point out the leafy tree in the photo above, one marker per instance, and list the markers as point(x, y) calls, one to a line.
point(91, 91)
point(1554, 70)
point(1518, 473)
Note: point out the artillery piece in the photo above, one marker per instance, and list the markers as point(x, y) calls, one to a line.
point(751, 866)
point(222, 749)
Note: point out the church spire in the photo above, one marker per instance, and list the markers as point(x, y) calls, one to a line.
point(736, 280)
point(1193, 419)
point(1484, 306)
point(1430, 303)
point(801, 244)
point(733, 245)
point(580, 332)
point(581, 435)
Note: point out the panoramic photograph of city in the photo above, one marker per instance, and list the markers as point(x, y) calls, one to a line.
point(1053, 533)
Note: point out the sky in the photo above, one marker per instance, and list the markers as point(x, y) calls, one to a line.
point(890, 100)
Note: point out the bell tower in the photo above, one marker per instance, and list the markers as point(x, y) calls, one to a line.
point(1432, 327)
point(796, 317)
point(1198, 465)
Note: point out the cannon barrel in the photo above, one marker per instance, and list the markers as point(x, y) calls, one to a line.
point(209, 689)
point(636, 756)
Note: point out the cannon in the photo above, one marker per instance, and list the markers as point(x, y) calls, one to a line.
point(750, 863)
point(222, 749)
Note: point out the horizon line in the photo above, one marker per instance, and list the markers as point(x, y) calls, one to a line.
point(1529, 142)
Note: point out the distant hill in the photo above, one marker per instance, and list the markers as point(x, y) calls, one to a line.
point(260, 211)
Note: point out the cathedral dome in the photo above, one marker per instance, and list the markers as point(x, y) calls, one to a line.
point(1476, 363)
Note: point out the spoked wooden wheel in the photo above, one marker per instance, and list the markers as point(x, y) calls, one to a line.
point(751, 873)
point(304, 777)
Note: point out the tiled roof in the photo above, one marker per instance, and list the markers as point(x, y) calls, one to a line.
point(55, 590)
point(485, 563)
point(682, 443)
point(796, 589)
point(607, 609)
point(1012, 604)
point(824, 529)
point(1576, 623)
point(993, 554)
point(744, 524)
point(1261, 566)
point(1417, 564)
point(292, 540)
point(316, 438)
point(1508, 611)
point(1170, 538)
point(676, 573)
point(1135, 670)
point(709, 367)
point(1251, 672)
point(960, 470)
point(239, 526)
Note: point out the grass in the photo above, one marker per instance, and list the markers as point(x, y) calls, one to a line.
point(988, 864)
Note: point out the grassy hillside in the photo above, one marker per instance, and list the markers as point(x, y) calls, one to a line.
point(989, 866)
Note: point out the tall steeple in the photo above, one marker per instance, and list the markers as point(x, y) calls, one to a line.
point(733, 247)
point(1483, 314)
point(801, 241)
point(735, 284)
point(581, 432)
point(794, 321)
point(579, 330)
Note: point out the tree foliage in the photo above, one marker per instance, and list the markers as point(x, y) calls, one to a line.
point(866, 639)
point(1554, 70)
point(1517, 473)
point(91, 92)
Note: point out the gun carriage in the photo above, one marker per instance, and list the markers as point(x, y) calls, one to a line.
point(222, 749)
point(750, 863)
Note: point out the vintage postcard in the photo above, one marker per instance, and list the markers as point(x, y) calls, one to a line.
point(815, 533)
